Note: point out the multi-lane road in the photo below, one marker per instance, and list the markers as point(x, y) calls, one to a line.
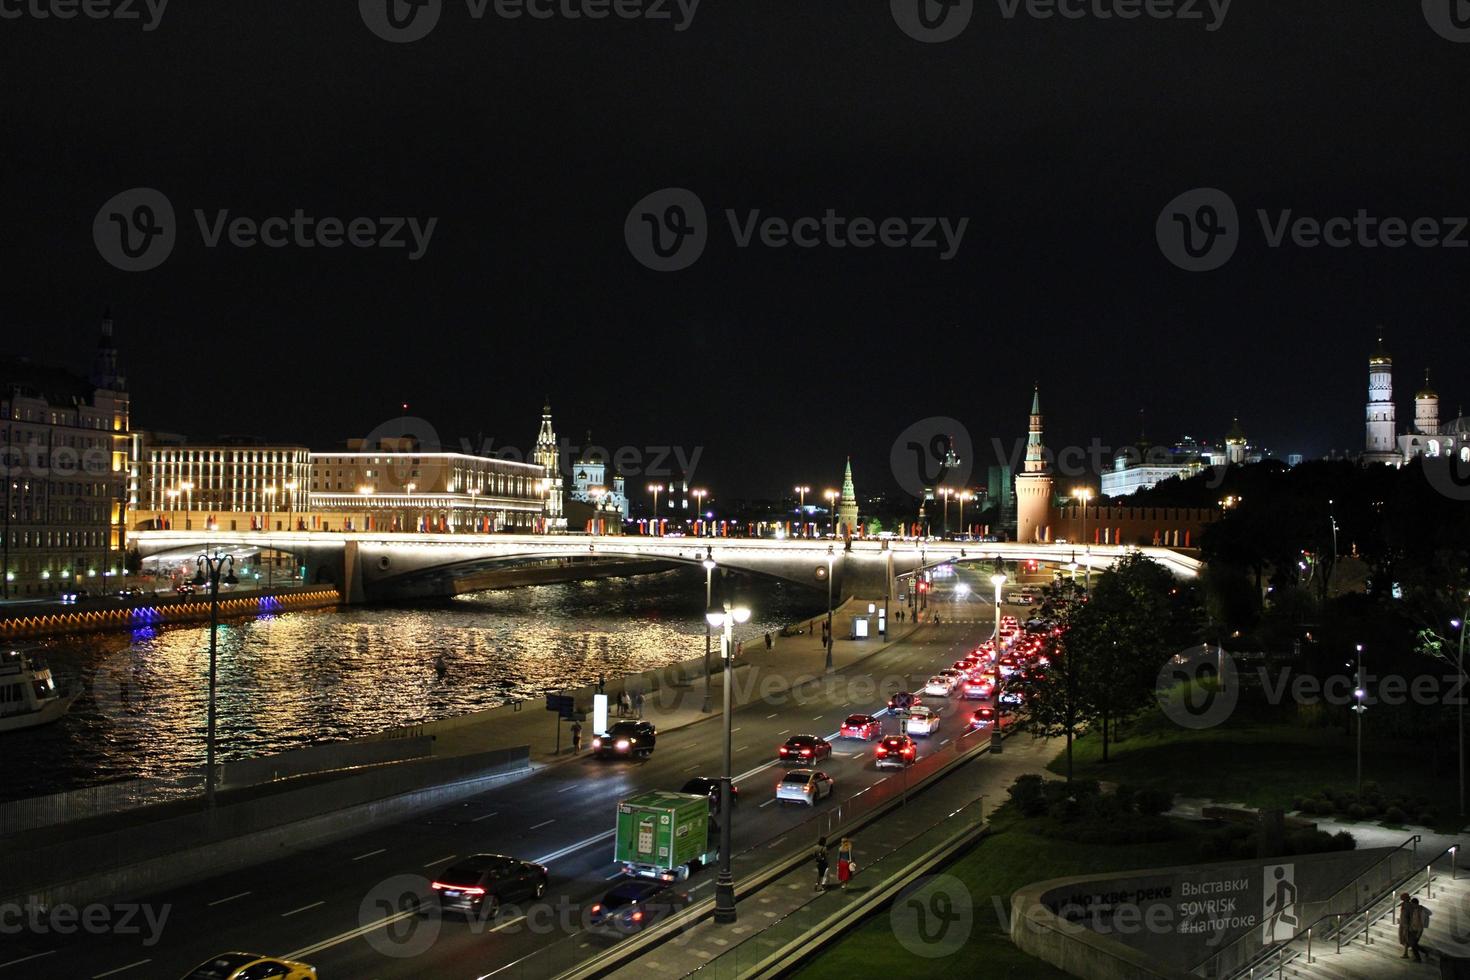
point(340, 906)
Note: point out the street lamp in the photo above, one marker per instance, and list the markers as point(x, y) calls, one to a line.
point(269, 493)
point(725, 882)
point(1084, 494)
point(173, 506)
point(998, 580)
point(188, 489)
point(1358, 694)
point(802, 490)
point(830, 558)
point(655, 489)
point(474, 493)
point(221, 567)
point(946, 493)
point(291, 506)
point(709, 578)
point(698, 495)
point(832, 496)
point(963, 496)
point(270, 568)
point(1460, 707)
point(411, 488)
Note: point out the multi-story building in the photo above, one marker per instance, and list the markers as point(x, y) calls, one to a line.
point(65, 449)
point(591, 485)
point(1427, 436)
point(232, 484)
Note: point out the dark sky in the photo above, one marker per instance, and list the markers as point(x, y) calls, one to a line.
point(1061, 141)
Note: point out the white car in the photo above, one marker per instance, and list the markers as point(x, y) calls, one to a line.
point(922, 721)
point(804, 786)
point(939, 686)
point(955, 675)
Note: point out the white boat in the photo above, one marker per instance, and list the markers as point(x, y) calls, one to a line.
point(28, 693)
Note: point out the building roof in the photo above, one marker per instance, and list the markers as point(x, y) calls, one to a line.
point(58, 386)
point(1428, 390)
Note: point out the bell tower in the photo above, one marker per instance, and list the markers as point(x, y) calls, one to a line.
point(1034, 483)
point(1381, 445)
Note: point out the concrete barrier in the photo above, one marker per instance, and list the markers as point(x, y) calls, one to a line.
point(194, 845)
point(322, 758)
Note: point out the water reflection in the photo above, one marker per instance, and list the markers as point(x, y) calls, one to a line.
point(293, 679)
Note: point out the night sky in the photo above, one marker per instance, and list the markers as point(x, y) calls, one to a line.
point(530, 141)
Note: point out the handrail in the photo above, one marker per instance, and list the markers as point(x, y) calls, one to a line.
point(1208, 966)
point(1345, 920)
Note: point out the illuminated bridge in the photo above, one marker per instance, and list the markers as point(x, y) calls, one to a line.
point(370, 567)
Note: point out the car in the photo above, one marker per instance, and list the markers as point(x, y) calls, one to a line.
point(955, 675)
point(1011, 698)
point(966, 665)
point(976, 689)
point(903, 700)
point(864, 727)
point(921, 721)
point(481, 883)
point(809, 786)
point(896, 750)
point(805, 748)
point(184, 588)
point(626, 739)
point(75, 595)
point(633, 905)
point(250, 966)
point(982, 718)
point(126, 595)
point(939, 686)
point(710, 786)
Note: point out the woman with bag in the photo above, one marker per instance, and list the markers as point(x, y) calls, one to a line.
point(820, 858)
point(846, 866)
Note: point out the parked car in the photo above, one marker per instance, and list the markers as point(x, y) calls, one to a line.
point(710, 786)
point(809, 786)
point(250, 966)
point(633, 905)
point(896, 751)
point(479, 884)
point(805, 748)
point(626, 739)
point(921, 721)
point(864, 727)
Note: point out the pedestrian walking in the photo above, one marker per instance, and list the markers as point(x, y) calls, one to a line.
point(638, 704)
point(576, 737)
point(768, 641)
point(624, 705)
point(1417, 919)
point(846, 866)
point(819, 857)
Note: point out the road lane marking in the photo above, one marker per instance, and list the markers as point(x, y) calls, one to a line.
point(544, 823)
point(387, 920)
point(567, 789)
point(768, 802)
point(99, 976)
point(442, 860)
point(738, 748)
point(221, 901)
point(817, 718)
point(304, 908)
point(615, 874)
point(545, 858)
point(361, 857)
point(783, 732)
point(733, 730)
point(507, 925)
point(27, 959)
point(691, 768)
point(486, 817)
point(753, 772)
point(772, 715)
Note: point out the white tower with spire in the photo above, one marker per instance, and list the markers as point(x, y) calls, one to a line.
point(847, 505)
point(548, 457)
point(1034, 483)
point(1382, 444)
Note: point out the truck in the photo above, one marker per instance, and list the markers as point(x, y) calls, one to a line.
point(665, 835)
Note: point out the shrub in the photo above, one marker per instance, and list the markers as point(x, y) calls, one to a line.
point(1064, 810)
point(1344, 841)
point(1395, 814)
point(1427, 818)
point(1027, 793)
point(1356, 811)
point(1152, 802)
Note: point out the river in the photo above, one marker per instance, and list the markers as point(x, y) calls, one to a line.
point(303, 678)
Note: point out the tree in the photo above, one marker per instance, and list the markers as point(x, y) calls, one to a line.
point(1053, 694)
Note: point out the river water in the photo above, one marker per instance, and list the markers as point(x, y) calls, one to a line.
point(308, 677)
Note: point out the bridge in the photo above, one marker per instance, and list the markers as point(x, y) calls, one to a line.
point(370, 566)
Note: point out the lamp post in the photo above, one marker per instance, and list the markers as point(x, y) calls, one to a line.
point(1460, 708)
point(1084, 494)
point(709, 578)
point(655, 489)
point(221, 567)
point(474, 493)
point(725, 882)
point(291, 505)
point(699, 496)
point(832, 496)
point(269, 493)
point(188, 488)
point(1327, 585)
point(270, 568)
point(998, 580)
point(963, 496)
point(1359, 692)
point(831, 557)
point(802, 490)
point(946, 493)
point(411, 488)
point(173, 506)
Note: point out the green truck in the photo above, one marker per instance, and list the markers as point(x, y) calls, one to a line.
point(665, 835)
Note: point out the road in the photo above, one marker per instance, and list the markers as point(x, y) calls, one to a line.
point(316, 903)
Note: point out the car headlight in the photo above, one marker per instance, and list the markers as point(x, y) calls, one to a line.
point(621, 744)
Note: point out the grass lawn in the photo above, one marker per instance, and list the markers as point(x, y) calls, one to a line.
point(1260, 763)
point(1007, 859)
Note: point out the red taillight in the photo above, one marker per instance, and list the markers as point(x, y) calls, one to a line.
point(637, 916)
point(476, 890)
point(806, 751)
point(784, 750)
point(882, 750)
point(597, 908)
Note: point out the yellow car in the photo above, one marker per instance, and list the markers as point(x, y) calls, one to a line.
point(251, 966)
